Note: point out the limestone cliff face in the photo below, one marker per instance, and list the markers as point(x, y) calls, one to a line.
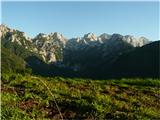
point(55, 47)
point(90, 40)
point(90, 49)
point(50, 46)
point(16, 36)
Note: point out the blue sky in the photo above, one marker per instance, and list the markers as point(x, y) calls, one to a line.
point(74, 19)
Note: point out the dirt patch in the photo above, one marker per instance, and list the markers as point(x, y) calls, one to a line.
point(80, 87)
point(28, 105)
point(51, 112)
point(8, 89)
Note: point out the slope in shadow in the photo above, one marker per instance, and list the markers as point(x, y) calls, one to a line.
point(141, 62)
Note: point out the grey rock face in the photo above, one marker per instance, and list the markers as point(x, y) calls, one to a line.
point(51, 47)
point(15, 36)
point(90, 40)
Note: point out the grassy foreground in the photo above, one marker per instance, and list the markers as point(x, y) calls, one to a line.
point(26, 97)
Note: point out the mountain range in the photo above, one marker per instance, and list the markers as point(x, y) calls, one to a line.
point(90, 56)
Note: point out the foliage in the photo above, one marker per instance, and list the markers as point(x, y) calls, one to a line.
point(26, 97)
point(16, 58)
point(142, 62)
point(10, 62)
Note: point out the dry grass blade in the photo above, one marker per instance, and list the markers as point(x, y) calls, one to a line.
point(53, 98)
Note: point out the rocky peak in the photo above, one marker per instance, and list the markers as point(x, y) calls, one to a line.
point(136, 42)
point(4, 27)
point(50, 46)
point(41, 35)
point(143, 41)
point(78, 39)
point(104, 37)
point(3, 30)
point(129, 38)
point(90, 36)
point(13, 35)
point(57, 37)
point(54, 38)
point(116, 36)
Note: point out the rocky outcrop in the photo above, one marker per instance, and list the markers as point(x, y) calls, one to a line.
point(90, 40)
point(50, 46)
point(87, 51)
point(55, 47)
point(15, 36)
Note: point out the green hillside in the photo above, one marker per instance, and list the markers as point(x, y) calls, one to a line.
point(10, 62)
point(31, 97)
point(141, 62)
point(16, 55)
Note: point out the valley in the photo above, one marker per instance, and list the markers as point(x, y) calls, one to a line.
point(80, 60)
point(89, 56)
point(50, 77)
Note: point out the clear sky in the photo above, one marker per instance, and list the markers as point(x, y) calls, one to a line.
point(74, 19)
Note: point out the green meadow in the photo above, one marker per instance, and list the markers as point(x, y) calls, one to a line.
point(26, 97)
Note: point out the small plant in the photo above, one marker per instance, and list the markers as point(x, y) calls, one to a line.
point(34, 97)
